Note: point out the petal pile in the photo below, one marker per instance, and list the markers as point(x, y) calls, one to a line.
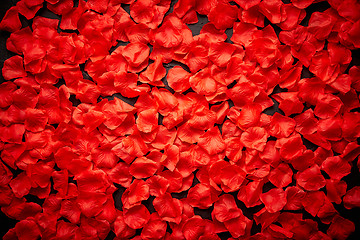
point(161, 119)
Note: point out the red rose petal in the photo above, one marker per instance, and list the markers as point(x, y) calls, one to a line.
point(311, 179)
point(281, 176)
point(136, 217)
point(336, 167)
point(27, 229)
point(352, 198)
point(274, 200)
point(340, 228)
point(11, 21)
point(225, 208)
point(143, 167)
point(202, 196)
point(168, 208)
point(255, 138)
point(281, 126)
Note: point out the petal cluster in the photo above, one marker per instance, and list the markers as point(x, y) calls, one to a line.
point(120, 119)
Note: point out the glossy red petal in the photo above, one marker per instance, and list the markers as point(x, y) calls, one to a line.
point(302, 3)
point(223, 15)
point(293, 17)
point(197, 57)
point(27, 230)
point(281, 176)
point(36, 120)
point(158, 185)
point(136, 217)
point(178, 79)
point(168, 208)
point(249, 116)
point(165, 100)
point(321, 24)
point(249, 194)
point(340, 228)
point(136, 53)
point(322, 67)
point(6, 90)
point(147, 120)
point(352, 198)
point(122, 230)
point(255, 138)
point(279, 232)
point(291, 147)
point(202, 196)
point(20, 210)
point(220, 53)
point(154, 229)
point(154, 73)
point(203, 83)
point(271, 9)
point(335, 190)
point(20, 185)
point(281, 126)
point(143, 167)
point(91, 204)
point(274, 200)
point(65, 230)
point(11, 21)
point(289, 102)
point(13, 68)
point(172, 154)
point(243, 33)
point(130, 147)
point(98, 6)
point(70, 211)
point(92, 181)
point(239, 226)
point(193, 228)
point(137, 192)
point(336, 167)
point(70, 18)
point(247, 4)
point(311, 179)
point(168, 35)
point(120, 174)
point(212, 141)
point(294, 198)
point(12, 134)
point(210, 30)
point(225, 208)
